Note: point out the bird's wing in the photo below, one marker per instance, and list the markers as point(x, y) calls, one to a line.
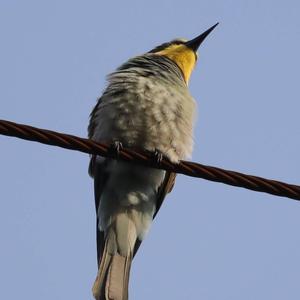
point(97, 170)
point(163, 190)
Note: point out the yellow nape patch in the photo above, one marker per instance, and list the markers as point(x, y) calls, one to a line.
point(183, 56)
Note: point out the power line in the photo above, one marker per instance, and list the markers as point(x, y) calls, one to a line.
point(147, 158)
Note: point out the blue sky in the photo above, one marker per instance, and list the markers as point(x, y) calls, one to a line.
point(210, 241)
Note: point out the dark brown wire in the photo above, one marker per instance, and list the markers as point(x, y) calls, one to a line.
point(147, 158)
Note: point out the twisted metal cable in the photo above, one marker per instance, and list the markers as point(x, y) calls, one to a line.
point(147, 158)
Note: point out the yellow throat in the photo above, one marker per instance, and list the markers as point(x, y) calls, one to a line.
point(184, 57)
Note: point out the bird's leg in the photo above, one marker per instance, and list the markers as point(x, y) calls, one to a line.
point(158, 156)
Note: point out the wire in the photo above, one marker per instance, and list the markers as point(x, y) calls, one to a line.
point(147, 158)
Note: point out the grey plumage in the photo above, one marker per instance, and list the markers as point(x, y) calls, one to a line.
point(146, 105)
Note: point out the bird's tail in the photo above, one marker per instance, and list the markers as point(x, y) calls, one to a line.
point(113, 275)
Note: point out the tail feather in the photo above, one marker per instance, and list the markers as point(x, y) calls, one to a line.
point(113, 275)
point(99, 286)
point(118, 278)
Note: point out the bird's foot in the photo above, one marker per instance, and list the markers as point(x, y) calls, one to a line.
point(116, 147)
point(157, 156)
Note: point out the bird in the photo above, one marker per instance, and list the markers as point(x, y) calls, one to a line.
point(146, 104)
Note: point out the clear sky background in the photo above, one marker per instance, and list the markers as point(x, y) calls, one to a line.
point(210, 241)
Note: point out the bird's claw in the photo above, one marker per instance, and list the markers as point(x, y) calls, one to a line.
point(116, 147)
point(158, 156)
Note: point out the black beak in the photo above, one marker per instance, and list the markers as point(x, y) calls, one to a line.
point(196, 42)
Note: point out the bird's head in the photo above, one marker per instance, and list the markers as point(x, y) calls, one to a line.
point(183, 52)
